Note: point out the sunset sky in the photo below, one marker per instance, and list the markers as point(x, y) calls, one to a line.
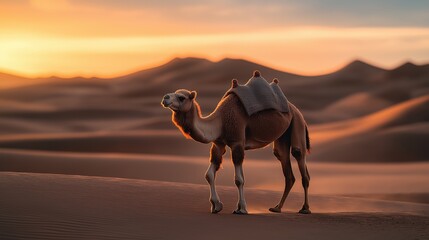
point(109, 38)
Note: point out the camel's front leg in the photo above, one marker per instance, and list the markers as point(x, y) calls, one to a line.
point(216, 153)
point(237, 158)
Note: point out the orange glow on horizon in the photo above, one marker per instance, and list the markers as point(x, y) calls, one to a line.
point(64, 39)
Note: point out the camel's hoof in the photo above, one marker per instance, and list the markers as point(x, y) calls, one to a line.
point(275, 210)
point(240, 212)
point(216, 207)
point(305, 211)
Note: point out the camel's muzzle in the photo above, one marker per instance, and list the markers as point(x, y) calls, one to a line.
point(166, 103)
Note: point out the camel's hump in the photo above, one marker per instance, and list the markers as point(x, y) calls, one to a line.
point(258, 95)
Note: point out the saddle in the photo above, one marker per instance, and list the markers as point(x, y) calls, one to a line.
point(258, 95)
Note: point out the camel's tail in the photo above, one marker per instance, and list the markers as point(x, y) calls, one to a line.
point(307, 138)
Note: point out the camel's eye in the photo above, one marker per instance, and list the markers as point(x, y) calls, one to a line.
point(182, 98)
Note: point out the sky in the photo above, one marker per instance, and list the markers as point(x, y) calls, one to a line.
point(109, 38)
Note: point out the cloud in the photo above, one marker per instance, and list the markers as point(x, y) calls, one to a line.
point(284, 13)
point(168, 17)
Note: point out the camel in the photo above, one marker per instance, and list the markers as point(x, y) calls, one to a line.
point(229, 126)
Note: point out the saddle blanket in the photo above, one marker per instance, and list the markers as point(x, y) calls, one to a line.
point(258, 95)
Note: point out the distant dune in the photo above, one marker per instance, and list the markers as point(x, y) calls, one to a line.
point(358, 105)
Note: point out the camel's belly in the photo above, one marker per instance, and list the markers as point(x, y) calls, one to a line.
point(252, 144)
point(266, 127)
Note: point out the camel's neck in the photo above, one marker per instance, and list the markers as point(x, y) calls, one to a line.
point(201, 129)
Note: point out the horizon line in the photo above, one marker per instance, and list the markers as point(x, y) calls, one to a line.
point(171, 59)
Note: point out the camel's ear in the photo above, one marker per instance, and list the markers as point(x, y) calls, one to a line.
point(234, 83)
point(193, 95)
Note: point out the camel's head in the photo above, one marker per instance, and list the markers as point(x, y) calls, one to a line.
point(179, 101)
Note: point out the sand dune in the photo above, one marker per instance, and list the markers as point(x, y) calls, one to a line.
point(409, 112)
point(332, 178)
point(16, 106)
point(395, 145)
point(213, 78)
point(396, 133)
point(368, 102)
point(398, 130)
point(13, 81)
point(109, 115)
point(355, 105)
point(357, 70)
point(408, 70)
point(69, 207)
point(150, 142)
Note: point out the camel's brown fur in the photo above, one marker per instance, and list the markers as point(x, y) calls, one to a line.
point(229, 125)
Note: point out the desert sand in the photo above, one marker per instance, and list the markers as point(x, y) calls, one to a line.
point(46, 206)
point(90, 158)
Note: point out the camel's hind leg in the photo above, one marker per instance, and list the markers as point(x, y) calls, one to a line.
point(300, 157)
point(300, 144)
point(282, 152)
